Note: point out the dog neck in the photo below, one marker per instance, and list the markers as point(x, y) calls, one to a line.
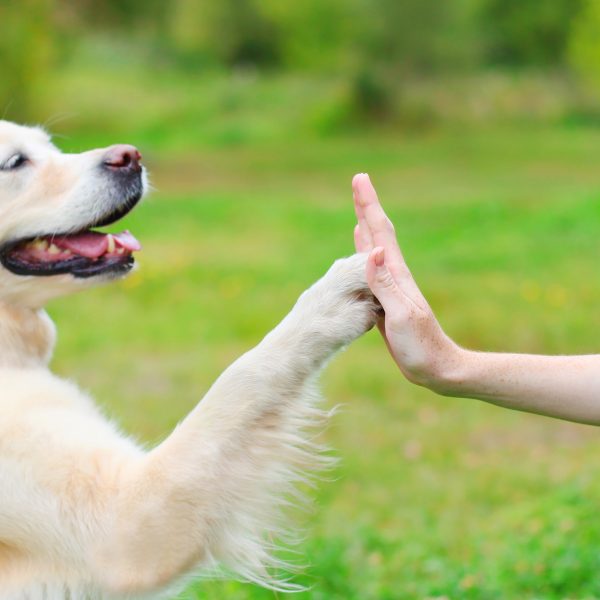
point(27, 337)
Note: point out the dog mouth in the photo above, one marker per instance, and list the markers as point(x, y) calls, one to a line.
point(84, 254)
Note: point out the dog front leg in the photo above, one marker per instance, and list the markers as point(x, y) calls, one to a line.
point(213, 491)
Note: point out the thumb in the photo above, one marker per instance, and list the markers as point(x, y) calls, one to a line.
point(381, 282)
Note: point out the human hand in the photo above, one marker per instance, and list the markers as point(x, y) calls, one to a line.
point(421, 349)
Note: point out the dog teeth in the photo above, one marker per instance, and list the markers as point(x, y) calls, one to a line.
point(111, 244)
point(53, 249)
point(40, 244)
point(121, 251)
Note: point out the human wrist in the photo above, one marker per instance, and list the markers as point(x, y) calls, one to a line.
point(450, 374)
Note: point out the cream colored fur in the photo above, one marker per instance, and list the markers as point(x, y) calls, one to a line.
point(85, 513)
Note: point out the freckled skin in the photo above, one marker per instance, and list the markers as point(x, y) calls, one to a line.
point(565, 387)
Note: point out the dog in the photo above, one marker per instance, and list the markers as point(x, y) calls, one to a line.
point(85, 513)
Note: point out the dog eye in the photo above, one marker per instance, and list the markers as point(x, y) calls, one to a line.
point(14, 162)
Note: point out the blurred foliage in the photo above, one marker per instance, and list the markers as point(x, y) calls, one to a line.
point(434, 497)
point(377, 48)
point(230, 32)
point(233, 104)
point(585, 43)
point(529, 32)
point(27, 50)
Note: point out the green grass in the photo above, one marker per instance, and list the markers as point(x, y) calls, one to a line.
point(434, 497)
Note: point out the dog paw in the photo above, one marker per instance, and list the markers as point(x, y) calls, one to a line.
point(343, 300)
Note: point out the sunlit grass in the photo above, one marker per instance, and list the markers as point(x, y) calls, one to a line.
point(434, 497)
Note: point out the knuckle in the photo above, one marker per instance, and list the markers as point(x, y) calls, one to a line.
point(383, 223)
point(385, 280)
point(380, 222)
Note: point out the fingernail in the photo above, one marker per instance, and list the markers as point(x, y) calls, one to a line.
point(379, 257)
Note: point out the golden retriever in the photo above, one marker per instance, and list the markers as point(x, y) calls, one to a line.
point(85, 513)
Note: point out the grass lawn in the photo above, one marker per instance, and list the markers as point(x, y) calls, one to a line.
point(433, 497)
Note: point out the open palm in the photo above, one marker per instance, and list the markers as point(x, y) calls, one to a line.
point(413, 336)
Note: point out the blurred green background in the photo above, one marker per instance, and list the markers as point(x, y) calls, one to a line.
point(479, 122)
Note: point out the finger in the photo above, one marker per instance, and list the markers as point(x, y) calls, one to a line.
point(382, 283)
point(382, 232)
point(366, 238)
point(391, 291)
point(362, 242)
point(376, 221)
point(359, 243)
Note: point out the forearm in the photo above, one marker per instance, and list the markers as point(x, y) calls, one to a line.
point(565, 387)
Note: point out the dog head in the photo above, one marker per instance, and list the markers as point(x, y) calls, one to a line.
point(49, 204)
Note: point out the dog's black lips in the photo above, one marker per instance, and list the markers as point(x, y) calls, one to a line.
point(79, 266)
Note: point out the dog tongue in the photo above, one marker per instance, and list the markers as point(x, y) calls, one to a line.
point(126, 240)
point(93, 244)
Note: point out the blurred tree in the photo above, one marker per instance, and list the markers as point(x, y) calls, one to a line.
point(132, 15)
point(230, 32)
point(528, 32)
point(407, 34)
point(373, 46)
point(27, 49)
point(584, 47)
point(400, 39)
point(317, 36)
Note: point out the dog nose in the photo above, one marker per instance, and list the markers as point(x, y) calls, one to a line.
point(123, 157)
